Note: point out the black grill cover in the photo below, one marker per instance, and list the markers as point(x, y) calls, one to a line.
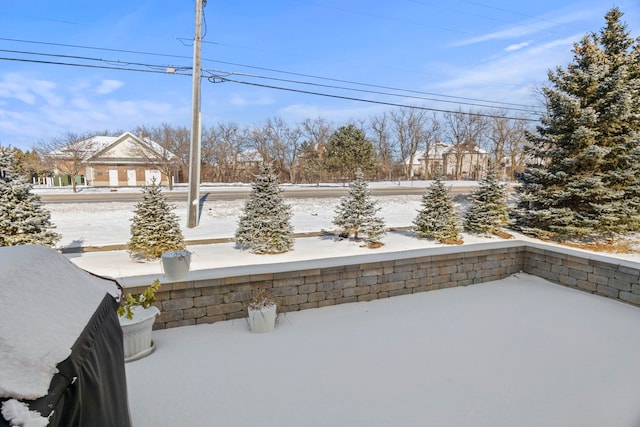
point(90, 389)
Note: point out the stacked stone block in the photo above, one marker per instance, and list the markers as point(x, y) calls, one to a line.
point(213, 300)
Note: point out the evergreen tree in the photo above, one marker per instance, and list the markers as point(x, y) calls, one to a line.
point(265, 224)
point(356, 213)
point(348, 150)
point(155, 228)
point(488, 210)
point(23, 218)
point(586, 182)
point(437, 219)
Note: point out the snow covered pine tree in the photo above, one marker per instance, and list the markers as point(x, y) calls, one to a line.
point(437, 219)
point(585, 183)
point(155, 228)
point(488, 210)
point(23, 219)
point(356, 213)
point(265, 224)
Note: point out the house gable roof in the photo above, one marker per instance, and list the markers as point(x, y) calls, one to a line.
point(124, 148)
point(435, 153)
point(127, 146)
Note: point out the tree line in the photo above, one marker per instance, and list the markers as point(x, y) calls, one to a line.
point(311, 151)
point(316, 150)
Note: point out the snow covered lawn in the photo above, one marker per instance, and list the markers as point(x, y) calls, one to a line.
point(517, 352)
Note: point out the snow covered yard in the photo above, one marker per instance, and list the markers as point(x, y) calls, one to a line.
point(517, 352)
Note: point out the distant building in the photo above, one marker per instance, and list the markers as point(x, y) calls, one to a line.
point(114, 161)
point(426, 164)
point(472, 162)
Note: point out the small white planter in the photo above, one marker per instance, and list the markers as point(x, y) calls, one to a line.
point(136, 333)
point(176, 264)
point(262, 320)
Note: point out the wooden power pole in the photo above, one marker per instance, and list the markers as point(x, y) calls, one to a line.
point(196, 128)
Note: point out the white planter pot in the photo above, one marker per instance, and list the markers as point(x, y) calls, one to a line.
point(136, 333)
point(263, 320)
point(176, 264)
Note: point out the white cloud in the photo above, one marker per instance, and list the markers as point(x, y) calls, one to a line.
point(242, 101)
point(29, 90)
point(108, 86)
point(299, 112)
point(533, 26)
point(508, 77)
point(517, 46)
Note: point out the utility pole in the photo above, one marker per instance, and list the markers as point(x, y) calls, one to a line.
point(195, 147)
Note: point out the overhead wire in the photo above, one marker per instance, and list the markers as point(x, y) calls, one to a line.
point(227, 79)
point(220, 79)
point(175, 68)
point(422, 98)
point(216, 77)
point(105, 67)
point(278, 71)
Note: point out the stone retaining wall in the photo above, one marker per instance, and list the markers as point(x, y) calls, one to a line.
point(618, 280)
point(223, 294)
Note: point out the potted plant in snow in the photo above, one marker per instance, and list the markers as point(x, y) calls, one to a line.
point(262, 312)
point(175, 264)
point(137, 314)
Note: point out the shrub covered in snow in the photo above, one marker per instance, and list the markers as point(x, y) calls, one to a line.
point(356, 213)
point(488, 210)
point(155, 228)
point(265, 224)
point(437, 219)
point(23, 218)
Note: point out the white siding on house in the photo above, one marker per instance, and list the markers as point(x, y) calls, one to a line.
point(151, 176)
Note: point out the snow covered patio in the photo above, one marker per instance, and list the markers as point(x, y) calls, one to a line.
point(515, 352)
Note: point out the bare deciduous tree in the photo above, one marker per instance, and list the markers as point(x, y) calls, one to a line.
point(163, 142)
point(315, 135)
point(463, 131)
point(279, 144)
point(408, 127)
point(225, 144)
point(68, 154)
point(380, 129)
point(506, 140)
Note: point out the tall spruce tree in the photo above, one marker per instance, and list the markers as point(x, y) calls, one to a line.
point(155, 228)
point(348, 150)
point(265, 224)
point(356, 212)
point(23, 218)
point(488, 211)
point(586, 180)
point(437, 218)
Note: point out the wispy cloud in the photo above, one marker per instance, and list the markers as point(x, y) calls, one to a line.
point(532, 26)
point(517, 46)
point(508, 75)
point(107, 86)
point(243, 101)
point(27, 90)
point(337, 115)
point(76, 106)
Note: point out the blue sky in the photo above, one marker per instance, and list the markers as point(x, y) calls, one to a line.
point(464, 52)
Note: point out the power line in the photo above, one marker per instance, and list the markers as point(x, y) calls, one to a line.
point(156, 69)
point(371, 85)
point(86, 58)
point(165, 67)
point(422, 98)
point(277, 71)
point(220, 79)
point(36, 61)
